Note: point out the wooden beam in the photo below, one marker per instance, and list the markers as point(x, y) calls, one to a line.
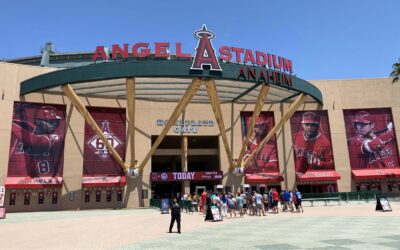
point(257, 110)
point(247, 91)
point(216, 107)
point(76, 101)
point(184, 154)
point(300, 99)
point(130, 96)
point(190, 92)
point(184, 162)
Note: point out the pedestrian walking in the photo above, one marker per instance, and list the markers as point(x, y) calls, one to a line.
point(298, 200)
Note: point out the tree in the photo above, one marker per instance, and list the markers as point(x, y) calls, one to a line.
point(396, 72)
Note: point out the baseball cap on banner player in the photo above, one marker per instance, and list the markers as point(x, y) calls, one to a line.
point(46, 116)
point(47, 113)
point(362, 117)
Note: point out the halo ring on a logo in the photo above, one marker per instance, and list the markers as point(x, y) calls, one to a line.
point(198, 33)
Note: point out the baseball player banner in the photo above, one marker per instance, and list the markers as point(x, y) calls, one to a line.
point(37, 140)
point(311, 141)
point(97, 159)
point(371, 139)
point(266, 160)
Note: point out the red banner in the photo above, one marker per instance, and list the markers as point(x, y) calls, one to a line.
point(97, 159)
point(36, 182)
point(103, 181)
point(266, 161)
point(182, 176)
point(37, 140)
point(376, 173)
point(314, 175)
point(371, 139)
point(312, 146)
point(263, 177)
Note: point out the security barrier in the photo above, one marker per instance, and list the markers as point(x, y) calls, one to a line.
point(187, 205)
point(365, 196)
point(155, 203)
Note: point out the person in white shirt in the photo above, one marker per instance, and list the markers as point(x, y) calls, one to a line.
point(259, 204)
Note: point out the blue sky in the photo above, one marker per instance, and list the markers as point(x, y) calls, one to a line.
point(338, 39)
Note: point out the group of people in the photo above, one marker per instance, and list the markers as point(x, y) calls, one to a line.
point(255, 203)
point(239, 204)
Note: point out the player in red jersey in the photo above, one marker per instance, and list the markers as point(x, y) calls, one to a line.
point(36, 147)
point(311, 148)
point(266, 160)
point(370, 148)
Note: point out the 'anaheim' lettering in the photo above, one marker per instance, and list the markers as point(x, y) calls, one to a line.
point(265, 76)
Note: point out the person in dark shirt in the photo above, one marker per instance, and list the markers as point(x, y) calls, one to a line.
point(209, 215)
point(175, 216)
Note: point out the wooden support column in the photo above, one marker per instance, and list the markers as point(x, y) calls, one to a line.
point(184, 155)
point(184, 163)
point(257, 110)
point(76, 101)
point(130, 96)
point(216, 107)
point(190, 92)
point(278, 126)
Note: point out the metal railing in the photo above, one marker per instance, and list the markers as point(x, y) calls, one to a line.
point(365, 196)
point(354, 196)
point(187, 206)
point(155, 203)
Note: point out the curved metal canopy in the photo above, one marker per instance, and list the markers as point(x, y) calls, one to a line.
point(165, 80)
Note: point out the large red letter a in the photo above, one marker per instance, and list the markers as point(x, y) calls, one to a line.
point(205, 53)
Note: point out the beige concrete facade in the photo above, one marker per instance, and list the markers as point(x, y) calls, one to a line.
point(338, 95)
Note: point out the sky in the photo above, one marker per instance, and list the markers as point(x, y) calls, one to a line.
point(340, 39)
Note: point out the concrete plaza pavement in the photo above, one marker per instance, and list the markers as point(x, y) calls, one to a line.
point(349, 226)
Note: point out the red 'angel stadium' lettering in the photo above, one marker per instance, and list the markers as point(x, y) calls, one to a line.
point(205, 54)
point(141, 50)
point(260, 58)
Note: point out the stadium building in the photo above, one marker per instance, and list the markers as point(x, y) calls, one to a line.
point(119, 126)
